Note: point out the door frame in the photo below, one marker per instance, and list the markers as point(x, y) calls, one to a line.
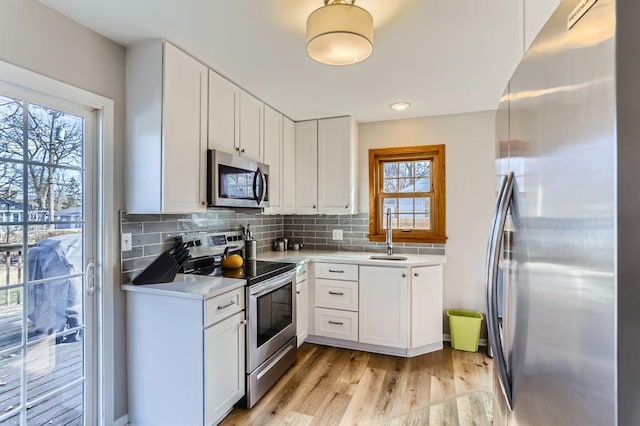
point(107, 256)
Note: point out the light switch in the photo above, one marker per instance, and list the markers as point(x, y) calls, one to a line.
point(337, 234)
point(126, 241)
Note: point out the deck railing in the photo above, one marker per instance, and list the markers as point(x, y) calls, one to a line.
point(11, 270)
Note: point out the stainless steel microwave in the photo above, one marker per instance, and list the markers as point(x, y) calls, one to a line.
point(234, 181)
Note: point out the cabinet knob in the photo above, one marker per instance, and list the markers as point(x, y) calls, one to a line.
point(243, 322)
point(415, 274)
point(204, 203)
point(404, 275)
point(313, 207)
point(297, 291)
point(346, 207)
point(237, 148)
point(242, 150)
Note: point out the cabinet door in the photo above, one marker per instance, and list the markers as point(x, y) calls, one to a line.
point(251, 131)
point(336, 166)
point(302, 312)
point(288, 167)
point(384, 307)
point(224, 113)
point(306, 167)
point(426, 305)
point(224, 367)
point(273, 157)
point(184, 133)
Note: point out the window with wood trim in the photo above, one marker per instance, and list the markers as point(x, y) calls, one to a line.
point(409, 182)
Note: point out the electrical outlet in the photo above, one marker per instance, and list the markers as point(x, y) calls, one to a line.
point(337, 234)
point(126, 242)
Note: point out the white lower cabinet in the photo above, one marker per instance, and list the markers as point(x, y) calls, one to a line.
point(224, 345)
point(426, 305)
point(384, 306)
point(302, 312)
point(337, 294)
point(337, 324)
point(186, 357)
point(384, 309)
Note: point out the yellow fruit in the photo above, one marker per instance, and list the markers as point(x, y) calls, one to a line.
point(233, 273)
point(232, 262)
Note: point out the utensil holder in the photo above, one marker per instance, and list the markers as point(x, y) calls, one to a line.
point(251, 249)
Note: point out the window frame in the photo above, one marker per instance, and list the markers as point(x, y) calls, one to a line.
point(433, 153)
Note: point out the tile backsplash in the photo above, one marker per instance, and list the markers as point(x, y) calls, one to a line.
point(316, 232)
point(152, 234)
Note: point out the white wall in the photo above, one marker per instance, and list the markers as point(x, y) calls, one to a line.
point(536, 13)
point(470, 190)
point(39, 39)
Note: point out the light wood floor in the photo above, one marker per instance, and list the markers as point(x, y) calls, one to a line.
point(332, 386)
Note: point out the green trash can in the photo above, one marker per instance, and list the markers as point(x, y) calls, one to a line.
point(465, 329)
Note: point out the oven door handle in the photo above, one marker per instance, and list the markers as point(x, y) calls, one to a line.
point(272, 284)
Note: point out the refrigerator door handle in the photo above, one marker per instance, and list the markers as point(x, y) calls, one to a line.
point(493, 252)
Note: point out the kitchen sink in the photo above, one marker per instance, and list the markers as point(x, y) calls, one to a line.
point(387, 257)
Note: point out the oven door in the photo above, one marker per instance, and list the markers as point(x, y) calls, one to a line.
point(271, 315)
point(236, 182)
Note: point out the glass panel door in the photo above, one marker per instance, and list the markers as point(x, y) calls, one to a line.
point(46, 241)
point(275, 313)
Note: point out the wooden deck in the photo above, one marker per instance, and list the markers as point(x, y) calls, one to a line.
point(333, 386)
point(49, 367)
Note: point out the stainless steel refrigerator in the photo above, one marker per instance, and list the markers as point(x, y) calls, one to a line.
point(563, 263)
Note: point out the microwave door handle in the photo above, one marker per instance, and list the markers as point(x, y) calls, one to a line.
point(256, 197)
point(263, 194)
point(264, 187)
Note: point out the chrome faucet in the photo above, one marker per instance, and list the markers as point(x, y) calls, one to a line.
point(389, 239)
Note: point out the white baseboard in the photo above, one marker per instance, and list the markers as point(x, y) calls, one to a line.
point(122, 421)
point(447, 338)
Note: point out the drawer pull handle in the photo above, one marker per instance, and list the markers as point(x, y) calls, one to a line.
point(336, 322)
point(337, 293)
point(336, 271)
point(233, 302)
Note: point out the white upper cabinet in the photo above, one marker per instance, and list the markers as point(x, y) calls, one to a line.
point(288, 167)
point(273, 156)
point(337, 166)
point(166, 130)
point(224, 113)
point(251, 128)
point(236, 119)
point(326, 166)
point(306, 182)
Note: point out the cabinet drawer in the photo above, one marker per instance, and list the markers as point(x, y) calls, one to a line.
point(337, 294)
point(336, 271)
point(336, 324)
point(222, 306)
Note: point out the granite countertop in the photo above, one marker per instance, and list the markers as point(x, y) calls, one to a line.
point(360, 258)
point(190, 286)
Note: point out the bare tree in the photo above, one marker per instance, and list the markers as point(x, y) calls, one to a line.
point(53, 148)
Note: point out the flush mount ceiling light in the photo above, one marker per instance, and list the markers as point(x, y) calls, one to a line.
point(400, 106)
point(339, 33)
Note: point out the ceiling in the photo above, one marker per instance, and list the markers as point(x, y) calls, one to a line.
point(442, 56)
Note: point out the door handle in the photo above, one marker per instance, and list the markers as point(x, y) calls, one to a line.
point(493, 250)
point(90, 277)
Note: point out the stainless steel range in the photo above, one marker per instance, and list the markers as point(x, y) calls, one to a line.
point(270, 299)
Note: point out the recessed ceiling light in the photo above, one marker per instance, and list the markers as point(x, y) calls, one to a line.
point(400, 106)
